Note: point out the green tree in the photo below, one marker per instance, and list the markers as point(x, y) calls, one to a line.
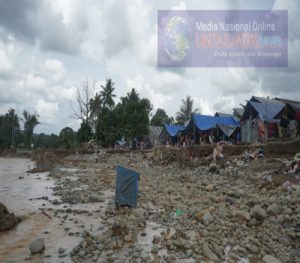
point(107, 94)
point(46, 141)
point(67, 138)
point(30, 122)
point(160, 117)
point(9, 129)
point(186, 110)
point(85, 132)
point(133, 115)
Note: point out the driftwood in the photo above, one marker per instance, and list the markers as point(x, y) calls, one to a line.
point(43, 211)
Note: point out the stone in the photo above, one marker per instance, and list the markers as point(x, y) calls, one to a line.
point(204, 217)
point(242, 215)
point(55, 202)
point(270, 259)
point(128, 238)
point(273, 209)
point(7, 220)
point(209, 253)
point(156, 239)
point(61, 250)
point(37, 246)
point(209, 188)
point(258, 213)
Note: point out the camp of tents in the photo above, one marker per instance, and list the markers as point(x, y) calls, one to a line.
point(259, 120)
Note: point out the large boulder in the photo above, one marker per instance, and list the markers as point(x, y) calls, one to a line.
point(7, 220)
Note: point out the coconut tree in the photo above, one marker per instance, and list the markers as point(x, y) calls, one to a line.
point(186, 110)
point(107, 94)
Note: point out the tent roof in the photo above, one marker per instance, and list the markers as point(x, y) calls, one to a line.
point(154, 132)
point(205, 122)
point(266, 109)
point(221, 114)
point(173, 130)
point(238, 111)
point(294, 104)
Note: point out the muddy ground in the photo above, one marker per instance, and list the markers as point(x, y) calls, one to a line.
point(188, 211)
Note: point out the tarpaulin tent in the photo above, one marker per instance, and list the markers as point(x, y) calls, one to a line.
point(171, 131)
point(174, 130)
point(126, 192)
point(153, 136)
point(259, 115)
point(206, 122)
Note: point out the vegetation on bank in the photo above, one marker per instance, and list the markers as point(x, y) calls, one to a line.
point(102, 120)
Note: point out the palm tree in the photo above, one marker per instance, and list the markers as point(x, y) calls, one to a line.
point(107, 94)
point(30, 122)
point(186, 110)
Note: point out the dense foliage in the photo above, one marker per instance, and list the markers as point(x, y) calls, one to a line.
point(102, 120)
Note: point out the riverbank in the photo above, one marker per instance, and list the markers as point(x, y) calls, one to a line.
point(231, 211)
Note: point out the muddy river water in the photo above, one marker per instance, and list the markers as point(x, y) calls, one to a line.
point(22, 193)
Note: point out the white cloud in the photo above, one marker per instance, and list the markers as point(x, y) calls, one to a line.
point(47, 111)
point(180, 6)
point(5, 63)
point(56, 68)
point(145, 90)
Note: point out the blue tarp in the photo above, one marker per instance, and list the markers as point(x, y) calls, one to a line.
point(173, 130)
point(265, 112)
point(205, 122)
point(126, 187)
point(266, 109)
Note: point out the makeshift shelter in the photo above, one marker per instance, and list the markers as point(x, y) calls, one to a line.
point(238, 113)
point(126, 192)
point(170, 132)
point(260, 119)
point(153, 137)
point(204, 124)
point(291, 108)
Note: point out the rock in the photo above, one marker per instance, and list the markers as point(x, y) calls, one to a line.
point(258, 213)
point(208, 253)
point(242, 215)
point(7, 220)
point(55, 202)
point(204, 217)
point(270, 259)
point(128, 238)
point(156, 239)
point(209, 188)
point(273, 209)
point(37, 246)
point(61, 250)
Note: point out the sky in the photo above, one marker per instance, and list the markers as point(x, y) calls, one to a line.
point(48, 48)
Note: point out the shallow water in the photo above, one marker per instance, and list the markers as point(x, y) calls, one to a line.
point(22, 197)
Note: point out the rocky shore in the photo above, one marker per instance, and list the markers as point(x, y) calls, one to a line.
point(230, 211)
